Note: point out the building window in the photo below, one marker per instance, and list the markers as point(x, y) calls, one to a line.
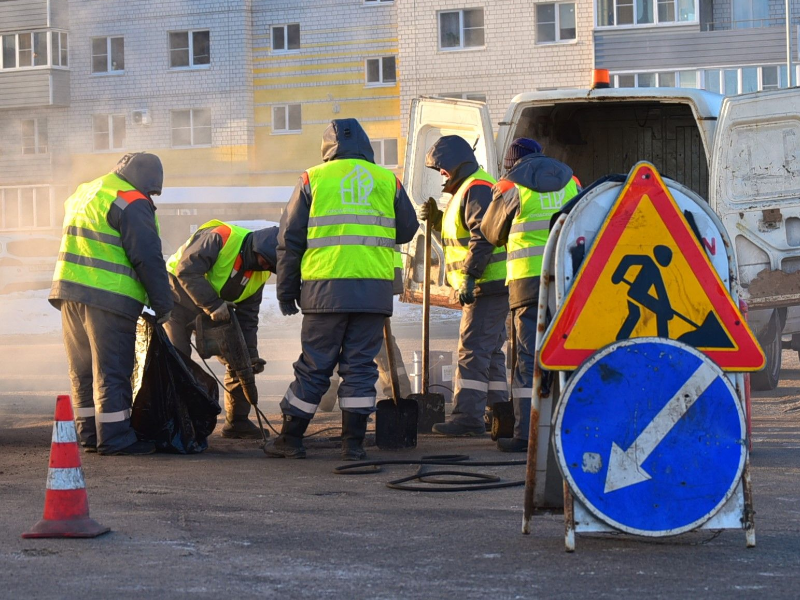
point(286, 38)
point(770, 79)
point(474, 96)
point(59, 49)
point(385, 152)
point(286, 119)
point(25, 208)
point(108, 54)
point(750, 13)
point(34, 136)
point(191, 127)
point(108, 132)
point(731, 82)
point(381, 71)
point(645, 12)
point(24, 50)
point(189, 49)
point(461, 29)
point(555, 22)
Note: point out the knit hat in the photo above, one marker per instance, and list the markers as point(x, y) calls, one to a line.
point(520, 147)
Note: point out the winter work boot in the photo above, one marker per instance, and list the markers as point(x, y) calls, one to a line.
point(135, 449)
point(512, 445)
point(241, 429)
point(456, 429)
point(354, 428)
point(289, 444)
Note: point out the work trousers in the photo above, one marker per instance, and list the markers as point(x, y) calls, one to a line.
point(179, 328)
point(481, 376)
point(525, 319)
point(351, 340)
point(100, 348)
point(384, 386)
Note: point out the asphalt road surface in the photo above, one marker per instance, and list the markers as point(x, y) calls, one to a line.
point(231, 523)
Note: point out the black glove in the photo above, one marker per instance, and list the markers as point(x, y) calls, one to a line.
point(258, 365)
point(163, 317)
point(289, 308)
point(429, 211)
point(466, 293)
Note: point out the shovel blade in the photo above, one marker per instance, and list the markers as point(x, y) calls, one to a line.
point(710, 334)
point(431, 410)
point(396, 424)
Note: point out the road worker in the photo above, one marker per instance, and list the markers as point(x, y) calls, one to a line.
point(109, 267)
point(220, 264)
point(532, 190)
point(476, 271)
point(338, 236)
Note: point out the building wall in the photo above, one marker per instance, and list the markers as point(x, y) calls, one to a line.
point(326, 76)
point(148, 83)
point(510, 63)
point(18, 15)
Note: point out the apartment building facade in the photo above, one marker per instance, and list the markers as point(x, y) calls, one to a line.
point(724, 46)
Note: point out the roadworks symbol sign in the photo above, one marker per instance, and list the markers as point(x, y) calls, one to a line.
point(647, 275)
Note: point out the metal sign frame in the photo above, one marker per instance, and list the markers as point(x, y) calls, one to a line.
point(551, 297)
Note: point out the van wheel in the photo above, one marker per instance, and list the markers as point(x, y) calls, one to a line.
point(767, 379)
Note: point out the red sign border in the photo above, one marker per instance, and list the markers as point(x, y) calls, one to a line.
point(643, 180)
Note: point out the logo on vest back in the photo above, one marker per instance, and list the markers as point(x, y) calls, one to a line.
point(552, 200)
point(356, 187)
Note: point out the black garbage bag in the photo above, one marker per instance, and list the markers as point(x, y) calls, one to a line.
point(175, 402)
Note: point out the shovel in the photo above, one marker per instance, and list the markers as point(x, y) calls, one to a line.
point(431, 406)
point(503, 412)
point(395, 419)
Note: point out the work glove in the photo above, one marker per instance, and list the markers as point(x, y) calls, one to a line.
point(258, 365)
point(163, 317)
point(288, 308)
point(466, 293)
point(429, 211)
point(221, 313)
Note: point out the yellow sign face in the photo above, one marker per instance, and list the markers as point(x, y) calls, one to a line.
point(647, 276)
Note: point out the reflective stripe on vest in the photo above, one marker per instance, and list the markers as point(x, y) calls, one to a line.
point(91, 252)
point(455, 238)
point(228, 263)
point(351, 225)
point(530, 228)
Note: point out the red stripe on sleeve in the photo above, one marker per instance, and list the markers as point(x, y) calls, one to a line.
point(132, 195)
point(304, 177)
point(504, 185)
point(224, 232)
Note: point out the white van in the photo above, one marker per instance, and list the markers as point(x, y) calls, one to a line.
point(742, 154)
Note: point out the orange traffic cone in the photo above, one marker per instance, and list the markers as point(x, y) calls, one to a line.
point(66, 506)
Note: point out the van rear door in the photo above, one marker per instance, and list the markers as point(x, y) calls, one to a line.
point(432, 118)
point(755, 189)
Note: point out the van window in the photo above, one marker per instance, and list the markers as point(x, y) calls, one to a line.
point(598, 139)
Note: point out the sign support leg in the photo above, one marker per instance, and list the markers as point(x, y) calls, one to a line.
point(569, 519)
point(748, 520)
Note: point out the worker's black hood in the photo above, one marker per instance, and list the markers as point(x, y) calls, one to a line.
point(143, 171)
point(263, 242)
point(540, 173)
point(345, 138)
point(453, 154)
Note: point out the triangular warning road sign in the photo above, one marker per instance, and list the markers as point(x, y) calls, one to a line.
point(647, 275)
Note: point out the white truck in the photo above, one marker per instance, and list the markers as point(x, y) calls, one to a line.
point(742, 154)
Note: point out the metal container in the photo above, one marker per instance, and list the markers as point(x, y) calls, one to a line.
point(441, 374)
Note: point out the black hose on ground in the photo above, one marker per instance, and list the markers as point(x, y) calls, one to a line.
point(434, 480)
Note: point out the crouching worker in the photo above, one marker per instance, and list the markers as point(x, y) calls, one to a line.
point(223, 263)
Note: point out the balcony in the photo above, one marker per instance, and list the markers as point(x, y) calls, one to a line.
point(30, 88)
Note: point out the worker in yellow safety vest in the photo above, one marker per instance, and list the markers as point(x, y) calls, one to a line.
point(109, 267)
point(336, 261)
point(534, 188)
point(476, 271)
point(222, 263)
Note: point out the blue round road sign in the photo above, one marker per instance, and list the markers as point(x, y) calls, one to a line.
point(650, 435)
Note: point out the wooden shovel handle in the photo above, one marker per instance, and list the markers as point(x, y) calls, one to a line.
point(426, 310)
point(387, 336)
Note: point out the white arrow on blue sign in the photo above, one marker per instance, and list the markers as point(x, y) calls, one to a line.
point(650, 435)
